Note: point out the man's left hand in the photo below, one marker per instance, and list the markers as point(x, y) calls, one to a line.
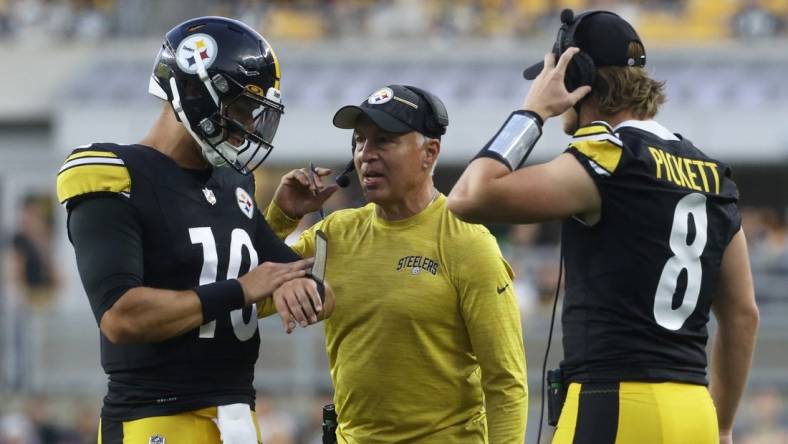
point(298, 301)
point(548, 96)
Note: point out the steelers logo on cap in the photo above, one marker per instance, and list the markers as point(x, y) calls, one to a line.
point(381, 96)
point(196, 49)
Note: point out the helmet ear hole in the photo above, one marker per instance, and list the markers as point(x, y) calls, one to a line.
point(208, 128)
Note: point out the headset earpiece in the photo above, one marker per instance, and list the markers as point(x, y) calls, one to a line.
point(438, 119)
point(580, 72)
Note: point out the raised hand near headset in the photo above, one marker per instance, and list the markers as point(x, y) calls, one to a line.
point(548, 96)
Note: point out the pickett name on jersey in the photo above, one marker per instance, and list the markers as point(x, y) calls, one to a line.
point(685, 172)
point(418, 263)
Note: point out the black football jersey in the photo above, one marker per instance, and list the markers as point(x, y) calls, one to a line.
point(193, 233)
point(641, 281)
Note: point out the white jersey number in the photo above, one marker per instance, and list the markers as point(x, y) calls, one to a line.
point(239, 241)
point(686, 257)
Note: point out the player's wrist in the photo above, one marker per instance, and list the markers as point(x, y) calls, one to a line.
point(514, 140)
point(540, 114)
point(219, 298)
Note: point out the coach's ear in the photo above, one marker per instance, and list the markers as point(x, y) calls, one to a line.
point(430, 150)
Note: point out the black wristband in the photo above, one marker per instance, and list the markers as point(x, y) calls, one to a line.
point(220, 298)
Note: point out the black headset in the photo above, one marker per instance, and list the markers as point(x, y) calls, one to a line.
point(437, 121)
point(581, 70)
point(343, 179)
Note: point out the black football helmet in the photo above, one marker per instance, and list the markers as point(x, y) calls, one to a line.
point(222, 79)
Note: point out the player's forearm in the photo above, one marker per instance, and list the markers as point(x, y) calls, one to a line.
point(145, 314)
point(731, 359)
point(470, 198)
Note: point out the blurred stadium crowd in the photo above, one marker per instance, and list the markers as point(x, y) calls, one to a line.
point(667, 20)
point(289, 411)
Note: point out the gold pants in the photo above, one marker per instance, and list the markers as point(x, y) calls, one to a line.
point(637, 413)
point(195, 427)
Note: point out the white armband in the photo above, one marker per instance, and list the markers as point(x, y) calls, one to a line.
point(515, 140)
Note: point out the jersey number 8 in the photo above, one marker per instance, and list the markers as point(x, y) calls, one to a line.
point(686, 257)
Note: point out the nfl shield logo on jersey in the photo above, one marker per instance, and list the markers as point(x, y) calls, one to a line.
point(156, 439)
point(209, 196)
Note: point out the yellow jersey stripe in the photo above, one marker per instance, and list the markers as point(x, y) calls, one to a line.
point(91, 153)
point(605, 153)
point(593, 129)
point(604, 136)
point(92, 178)
point(91, 161)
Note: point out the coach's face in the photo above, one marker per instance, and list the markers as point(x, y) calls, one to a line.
point(390, 166)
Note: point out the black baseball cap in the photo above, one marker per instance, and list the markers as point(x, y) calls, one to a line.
point(603, 35)
point(394, 108)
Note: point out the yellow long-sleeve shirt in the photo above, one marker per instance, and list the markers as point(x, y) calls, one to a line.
point(425, 343)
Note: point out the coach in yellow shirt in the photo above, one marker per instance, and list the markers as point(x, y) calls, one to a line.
point(425, 343)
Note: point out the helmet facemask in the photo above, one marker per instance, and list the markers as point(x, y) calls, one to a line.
point(241, 132)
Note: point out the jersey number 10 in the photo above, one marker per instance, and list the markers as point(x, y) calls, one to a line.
point(238, 241)
point(686, 257)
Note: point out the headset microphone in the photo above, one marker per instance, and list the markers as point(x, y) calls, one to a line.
point(567, 16)
point(343, 179)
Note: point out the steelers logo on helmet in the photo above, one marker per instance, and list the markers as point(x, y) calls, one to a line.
point(195, 50)
point(381, 96)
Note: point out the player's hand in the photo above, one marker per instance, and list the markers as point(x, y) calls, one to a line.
point(726, 437)
point(298, 301)
point(300, 192)
point(548, 96)
point(261, 281)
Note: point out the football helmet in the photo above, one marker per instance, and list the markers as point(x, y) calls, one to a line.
point(222, 79)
